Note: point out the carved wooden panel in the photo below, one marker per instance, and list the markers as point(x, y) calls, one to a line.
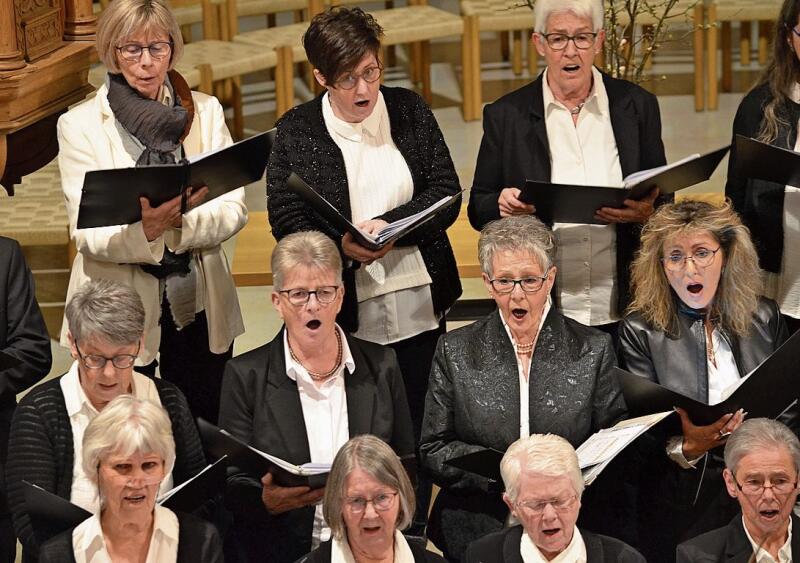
point(39, 27)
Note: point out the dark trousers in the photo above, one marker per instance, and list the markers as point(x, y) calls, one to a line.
point(185, 360)
point(8, 540)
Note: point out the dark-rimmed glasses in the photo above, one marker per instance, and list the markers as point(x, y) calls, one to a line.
point(559, 41)
point(133, 51)
point(756, 487)
point(537, 507)
point(325, 294)
point(369, 74)
point(380, 502)
point(702, 258)
point(529, 284)
point(96, 361)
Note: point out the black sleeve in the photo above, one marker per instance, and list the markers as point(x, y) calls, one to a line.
point(488, 181)
point(26, 335)
point(634, 353)
point(747, 123)
point(189, 457)
point(609, 404)
point(652, 149)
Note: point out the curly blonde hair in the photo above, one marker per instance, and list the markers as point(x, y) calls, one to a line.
point(740, 280)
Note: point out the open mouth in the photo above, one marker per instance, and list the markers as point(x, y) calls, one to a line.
point(551, 531)
point(572, 68)
point(518, 313)
point(694, 288)
point(769, 514)
point(314, 324)
point(135, 499)
point(371, 529)
point(362, 103)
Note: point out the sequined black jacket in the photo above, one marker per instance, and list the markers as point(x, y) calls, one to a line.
point(304, 146)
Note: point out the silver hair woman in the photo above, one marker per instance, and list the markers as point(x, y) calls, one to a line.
point(105, 320)
point(128, 450)
point(543, 491)
point(761, 434)
point(481, 394)
point(589, 9)
point(306, 248)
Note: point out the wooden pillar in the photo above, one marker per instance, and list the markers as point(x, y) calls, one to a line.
point(471, 69)
point(504, 51)
point(425, 71)
point(713, 92)
point(80, 23)
point(516, 52)
point(726, 45)
point(745, 42)
point(533, 55)
point(765, 29)
point(10, 56)
point(699, 33)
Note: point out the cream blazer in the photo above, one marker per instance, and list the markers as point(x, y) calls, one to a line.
point(88, 139)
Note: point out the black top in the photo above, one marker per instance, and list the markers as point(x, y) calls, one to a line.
point(515, 148)
point(728, 544)
point(304, 146)
point(261, 406)
point(323, 553)
point(41, 448)
point(198, 541)
point(503, 547)
point(760, 203)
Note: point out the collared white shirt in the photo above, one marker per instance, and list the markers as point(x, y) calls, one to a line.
point(524, 383)
point(89, 544)
point(81, 412)
point(584, 153)
point(762, 556)
point(574, 553)
point(341, 552)
point(325, 415)
point(723, 378)
point(394, 293)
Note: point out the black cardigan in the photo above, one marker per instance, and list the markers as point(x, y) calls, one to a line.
point(198, 542)
point(40, 448)
point(303, 146)
point(515, 148)
point(760, 203)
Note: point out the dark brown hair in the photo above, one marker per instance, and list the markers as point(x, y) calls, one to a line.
point(339, 38)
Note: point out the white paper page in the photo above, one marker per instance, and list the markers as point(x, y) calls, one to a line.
point(605, 445)
point(174, 490)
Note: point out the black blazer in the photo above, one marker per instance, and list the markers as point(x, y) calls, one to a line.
point(323, 553)
point(261, 406)
point(728, 544)
point(304, 146)
point(503, 547)
point(760, 203)
point(473, 403)
point(515, 148)
point(198, 541)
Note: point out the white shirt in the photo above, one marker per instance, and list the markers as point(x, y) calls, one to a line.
point(524, 384)
point(325, 415)
point(89, 545)
point(574, 553)
point(723, 379)
point(784, 553)
point(81, 412)
point(584, 153)
point(394, 293)
point(341, 553)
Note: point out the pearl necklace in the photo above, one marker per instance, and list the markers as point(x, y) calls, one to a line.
point(525, 348)
point(322, 376)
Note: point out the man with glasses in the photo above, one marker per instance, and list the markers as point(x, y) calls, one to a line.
point(573, 125)
point(762, 459)
point(543, 491)
point(105, 329)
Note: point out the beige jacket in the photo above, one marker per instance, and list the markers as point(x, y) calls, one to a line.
point(88, 139)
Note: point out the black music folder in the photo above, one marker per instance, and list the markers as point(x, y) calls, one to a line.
point(218, 442)
point(484, 463)
point(111, 197)
point(567, 203)
point(755, 159)
point(388, 234)
point(767, 391)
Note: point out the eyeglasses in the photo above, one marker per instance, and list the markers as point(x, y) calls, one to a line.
point(559, 41)
point(380, 502)
point(369, 74)
point(529, 284)
point(133, 51)
point(96, 361)
point(780, 485)
point(702, 258)
point(325, 294)
point(537, 507)
point(794, 31)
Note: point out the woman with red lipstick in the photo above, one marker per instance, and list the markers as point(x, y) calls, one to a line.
point(128, 451)
point(146, 115)
point(696, 325)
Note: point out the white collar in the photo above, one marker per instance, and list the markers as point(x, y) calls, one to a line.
point(341, 553)
point(597, 101)
point(75, 399)
point(354, 131)
point(90, 531)
point(575, 552)
point(784, 553)
point(295, 370)
point(545, 312)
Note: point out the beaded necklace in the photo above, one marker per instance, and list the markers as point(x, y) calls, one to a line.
point(322, 376)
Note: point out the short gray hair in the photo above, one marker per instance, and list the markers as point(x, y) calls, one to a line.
point(306, 248)
point(517, 232)
point(122, 18)
point(546, 454)
point(373, 456)
point(127, 425)
point(543, 9)
point(110, 310)
point(760, 433)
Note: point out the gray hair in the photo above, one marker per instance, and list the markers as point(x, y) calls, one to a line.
point(543, 9)
point(306, 248)
point(373, 456)
point(760, 433)
point(106, 309)
point(517, 232)
point(546, 454)
point(122, 18)
point(125, 426)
